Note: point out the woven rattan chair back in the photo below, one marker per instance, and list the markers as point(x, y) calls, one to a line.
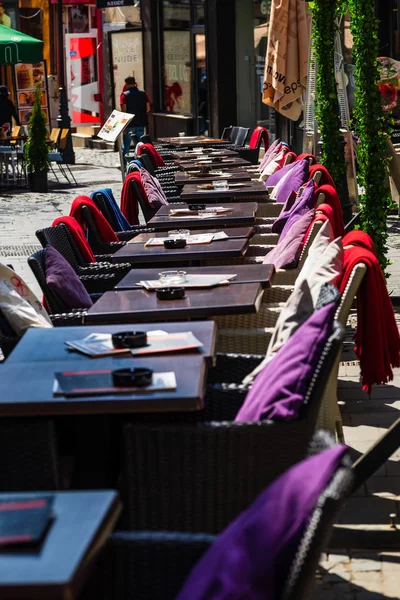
point(329, 417)
point(58, 237)
point(100, 202)
point(199, 477)
point(37, 264)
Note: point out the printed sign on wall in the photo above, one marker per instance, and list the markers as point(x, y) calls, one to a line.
point(178, 96)
point(127, 60)
point(82, 77)
point(26, 77)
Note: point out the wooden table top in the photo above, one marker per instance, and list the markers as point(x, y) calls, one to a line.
point(59, 568)
point(19, 398)
point(241, 214)
point(237, 190)
point(141, 305)
point(262, 274)
point(48, 345)
point(224, 163)
point(185, 177)
point(190, 154)
point(231, 232)
point(139, 254)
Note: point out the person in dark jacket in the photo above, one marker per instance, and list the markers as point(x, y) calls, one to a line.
point(7, 109)
point(134, 102)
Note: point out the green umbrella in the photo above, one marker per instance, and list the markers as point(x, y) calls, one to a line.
point(16, 47)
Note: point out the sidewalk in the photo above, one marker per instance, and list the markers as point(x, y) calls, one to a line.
point(358, 577)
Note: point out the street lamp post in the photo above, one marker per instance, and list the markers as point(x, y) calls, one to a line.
point(63, 119)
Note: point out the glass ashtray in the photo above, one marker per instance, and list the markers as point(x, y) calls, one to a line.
point(179, 234)
point(172, 277)
point(221, 184)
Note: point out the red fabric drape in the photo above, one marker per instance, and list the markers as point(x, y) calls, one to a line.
point(332, 198)
point(156, 157)
point(103, 226)
point(282, 162)
point(129, 202)
point(377, 337)
point(323, 213)
point(260, 134)
point(311, 157)
point(79, 237)
point(326, 178)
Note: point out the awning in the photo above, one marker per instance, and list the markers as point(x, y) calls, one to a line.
point(17, 47)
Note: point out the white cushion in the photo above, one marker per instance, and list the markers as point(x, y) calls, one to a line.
point(321, 242)
point(19, 304)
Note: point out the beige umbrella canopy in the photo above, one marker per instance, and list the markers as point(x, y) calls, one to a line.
point(286, 63)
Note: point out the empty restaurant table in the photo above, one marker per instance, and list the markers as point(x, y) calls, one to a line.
point(58, 566)
point(42, 398)
point(260, 273)
point(200, 177)
point(223, 163)
point(142, 305)
point(41, 345)
point(146, 253)
point(212, 192)
point(174, 216)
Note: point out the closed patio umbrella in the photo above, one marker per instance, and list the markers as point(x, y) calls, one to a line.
point(16, 47)
point(286, 64)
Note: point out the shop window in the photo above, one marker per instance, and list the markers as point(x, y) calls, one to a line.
point(78, 19)
point(177, 71)
point(31, 20)
point(121, 15)
point(265, 115)
point(176, 14)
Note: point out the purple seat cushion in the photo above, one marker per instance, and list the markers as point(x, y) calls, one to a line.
point(279, 390)
point(287, 252)
point(293, 179)
point(271, 150)
point(64, 282)
point(155, 194)
point(276, 177)
point(292, 211)
point(251, 559)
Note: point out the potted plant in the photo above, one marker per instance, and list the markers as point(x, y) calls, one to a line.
point(36, 151)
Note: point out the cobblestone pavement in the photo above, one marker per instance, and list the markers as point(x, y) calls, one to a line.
point(365, 576)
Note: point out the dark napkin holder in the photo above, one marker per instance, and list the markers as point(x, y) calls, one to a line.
point(129, 339)
point(170, 293)
point(196, 207)
point(173, 244)
point(138, 377)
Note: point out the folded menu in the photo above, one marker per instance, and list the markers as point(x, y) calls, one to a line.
point(192, 281)
point(192, 240)
point(182, 212)
point(100, 383)
point(97, 345)
point(24, 520)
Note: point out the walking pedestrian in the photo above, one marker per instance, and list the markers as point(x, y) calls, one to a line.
point(7, 110)
point(134, 102)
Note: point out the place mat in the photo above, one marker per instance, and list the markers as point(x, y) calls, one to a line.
point(100, 383)
point(24, 520)
point(192, 240)
point(192, 281)
point(182, 212)
point(99, 345)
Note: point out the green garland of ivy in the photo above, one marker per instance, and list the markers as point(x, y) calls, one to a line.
point(324, 14)
point(370, 126)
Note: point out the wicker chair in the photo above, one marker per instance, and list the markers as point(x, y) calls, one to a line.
point(28, 459)
point(329, 417)
point(154, 565)
point(250, 334)
point(199, 476)
point(101, 204)
point(60, 238)
point(56, 304)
